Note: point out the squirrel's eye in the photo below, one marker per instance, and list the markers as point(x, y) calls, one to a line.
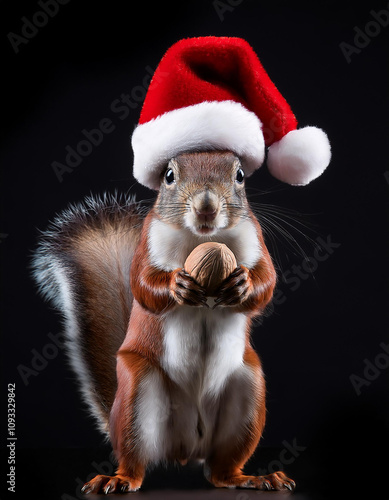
point(240, 176)
point(169, 176)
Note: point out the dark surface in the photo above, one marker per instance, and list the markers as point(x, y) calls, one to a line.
point(325, 470)
point(327, 327)
point(63, 472)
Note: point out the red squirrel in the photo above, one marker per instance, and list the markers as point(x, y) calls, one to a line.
point(186, 383)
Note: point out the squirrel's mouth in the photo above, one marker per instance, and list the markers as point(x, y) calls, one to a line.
point(205, 229)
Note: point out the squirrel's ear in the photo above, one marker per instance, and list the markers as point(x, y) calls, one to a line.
point(237, 162)
point(173, 163)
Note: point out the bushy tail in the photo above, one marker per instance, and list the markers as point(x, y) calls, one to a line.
point(82, 265)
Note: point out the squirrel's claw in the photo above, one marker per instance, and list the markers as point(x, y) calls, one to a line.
point(235, 289)
point(110, 484)
point(186, 291)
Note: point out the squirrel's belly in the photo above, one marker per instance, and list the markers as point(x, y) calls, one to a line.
point(203, 357)
point(202, 347)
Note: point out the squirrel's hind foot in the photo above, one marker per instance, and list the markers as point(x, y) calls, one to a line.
point(111, 484)
point(275, 481)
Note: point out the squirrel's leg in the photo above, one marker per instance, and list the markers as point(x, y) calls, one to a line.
point(132, 372)
point(239, 428)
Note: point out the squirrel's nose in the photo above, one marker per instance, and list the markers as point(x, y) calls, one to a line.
point(206, 213)
point(205, 206)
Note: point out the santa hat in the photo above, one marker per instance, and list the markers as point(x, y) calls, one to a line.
point(213, 93)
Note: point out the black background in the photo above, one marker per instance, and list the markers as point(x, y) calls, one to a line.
point(66, 78)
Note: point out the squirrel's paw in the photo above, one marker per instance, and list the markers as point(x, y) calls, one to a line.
point(111, 484)
point(235, 289)
point(275, 481)
point(185, 290)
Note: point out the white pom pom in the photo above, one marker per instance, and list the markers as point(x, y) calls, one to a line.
point(300, 156)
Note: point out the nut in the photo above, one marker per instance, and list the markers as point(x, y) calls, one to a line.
point(210, 264)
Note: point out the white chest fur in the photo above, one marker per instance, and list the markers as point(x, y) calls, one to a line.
point(169, 247)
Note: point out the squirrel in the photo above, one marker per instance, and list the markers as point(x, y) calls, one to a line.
point(168, 376)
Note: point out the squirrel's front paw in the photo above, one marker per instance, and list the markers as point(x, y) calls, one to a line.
point(235, 289)
point(185, 290)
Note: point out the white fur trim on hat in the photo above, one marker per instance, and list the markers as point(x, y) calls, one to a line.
point(224, 125)
point(300, 156)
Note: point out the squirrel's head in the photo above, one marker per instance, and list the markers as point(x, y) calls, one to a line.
point(203, 191)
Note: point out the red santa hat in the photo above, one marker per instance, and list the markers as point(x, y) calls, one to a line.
point(213, 93)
